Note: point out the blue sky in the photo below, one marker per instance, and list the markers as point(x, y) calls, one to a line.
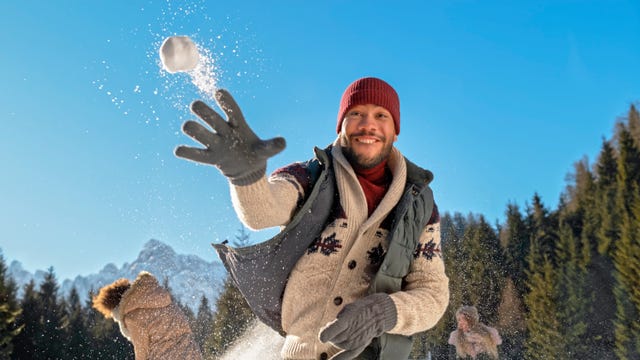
point(498, 99)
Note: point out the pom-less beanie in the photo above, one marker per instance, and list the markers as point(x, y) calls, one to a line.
point(370, 90)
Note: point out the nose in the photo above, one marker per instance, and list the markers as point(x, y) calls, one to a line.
point(367, 121)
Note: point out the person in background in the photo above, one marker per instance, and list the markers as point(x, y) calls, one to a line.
point(473, 339)
point(155, 325)
point(370, 271)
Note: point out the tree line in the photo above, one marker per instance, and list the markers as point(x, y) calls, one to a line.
point(42, 325)
point(559, 283)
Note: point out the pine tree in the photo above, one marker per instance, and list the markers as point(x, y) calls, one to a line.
point(49, 344)
point(586, 273)
point(514, 240)
point(601, 230)
point(573, 303)
point(233, 314)
point(627, 286)
point(107, 343)
point(204, 320)
point(485, 278)
point(626, 251)
point(76, 331)
point(606, 188)
point(511, 322)
point(633, 119)
point(232, 318)
point(544, 338)
point(9, 312)
point(24, 344)
point(542, 228)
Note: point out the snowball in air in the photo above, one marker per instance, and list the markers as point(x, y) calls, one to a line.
point(179, 53)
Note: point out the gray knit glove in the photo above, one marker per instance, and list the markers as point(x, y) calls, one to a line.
point(358, 323)
point(233, 148)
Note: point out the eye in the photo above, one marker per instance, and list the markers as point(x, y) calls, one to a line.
point(382, 115)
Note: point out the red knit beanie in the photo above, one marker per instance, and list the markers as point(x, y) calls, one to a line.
point(370, 90)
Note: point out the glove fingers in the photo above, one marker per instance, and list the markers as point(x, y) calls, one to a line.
point(211, 117)
point(348, 354)
point(198, 132)
point(271, 147)
point(231, 108)
point(193, 154)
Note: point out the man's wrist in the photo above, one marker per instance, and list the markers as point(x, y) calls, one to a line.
point(249, 177)
point(390, 313)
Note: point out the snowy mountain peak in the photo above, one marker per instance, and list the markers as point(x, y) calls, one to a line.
point(189, 277)
point(156, 247)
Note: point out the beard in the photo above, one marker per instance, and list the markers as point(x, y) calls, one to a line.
point(362, 161)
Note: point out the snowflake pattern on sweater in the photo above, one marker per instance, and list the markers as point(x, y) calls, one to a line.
point(376, 255)
point(428, 250)
point(326, 246)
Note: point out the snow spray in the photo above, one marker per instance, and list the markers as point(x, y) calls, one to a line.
point(258, 342)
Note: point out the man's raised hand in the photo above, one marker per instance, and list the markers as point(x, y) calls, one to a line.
point(232, 146)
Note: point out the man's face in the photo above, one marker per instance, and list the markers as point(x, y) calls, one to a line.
point(369, 133)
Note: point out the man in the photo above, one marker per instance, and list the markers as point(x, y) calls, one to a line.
point(358, 266)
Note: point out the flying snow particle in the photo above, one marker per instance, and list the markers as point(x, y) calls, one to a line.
point(179, 54)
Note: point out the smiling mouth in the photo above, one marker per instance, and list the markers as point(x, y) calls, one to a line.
point(366, 141)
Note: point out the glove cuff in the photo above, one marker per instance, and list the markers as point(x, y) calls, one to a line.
point(249, 178)
point(389, 311)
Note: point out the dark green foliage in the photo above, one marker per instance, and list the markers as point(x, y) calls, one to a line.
point(55, 328)
point(106, 341)
point(573, 299)
point(28, 320)
point(42, 318)
point(77, 335)
point(9, 312)
point(233, 314)
point(203, 322)
point(232, 318)
point(435, 339)
point(633, 120)
point(514, 240)
point(626, 251)
point(50, 345)
point(544, 337)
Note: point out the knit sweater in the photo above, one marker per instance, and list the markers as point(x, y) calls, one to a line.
point(338, 267)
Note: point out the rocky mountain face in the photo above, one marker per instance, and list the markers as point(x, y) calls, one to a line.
point(189, 277)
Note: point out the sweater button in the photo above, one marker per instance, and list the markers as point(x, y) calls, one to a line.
point(324, 356)
point(352, 264)
point(337, 301)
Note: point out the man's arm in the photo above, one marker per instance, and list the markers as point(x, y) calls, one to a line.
point(266, 203)
point(232, 147)
point(425, 296)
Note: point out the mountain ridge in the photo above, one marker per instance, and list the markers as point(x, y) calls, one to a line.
point(188, 276)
